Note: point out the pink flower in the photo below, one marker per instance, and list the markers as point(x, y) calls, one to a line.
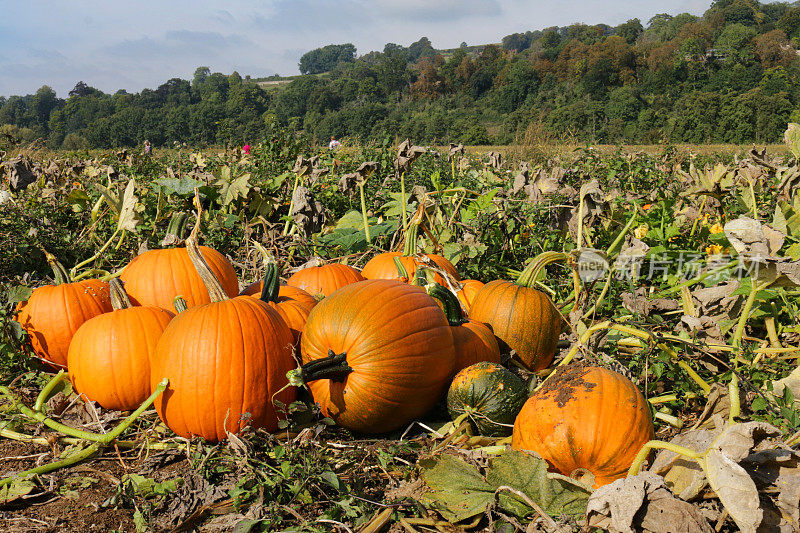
point(246, 149)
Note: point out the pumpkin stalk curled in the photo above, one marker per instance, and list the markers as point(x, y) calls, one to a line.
point(119, 298)
point(334, 367)
point(215, 290)
point(452, 308)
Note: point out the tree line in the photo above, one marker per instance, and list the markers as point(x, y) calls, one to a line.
point(730, 75)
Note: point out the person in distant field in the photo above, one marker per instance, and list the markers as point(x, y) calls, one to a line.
point(334, 143)
point(246, 149)
point(147, 148)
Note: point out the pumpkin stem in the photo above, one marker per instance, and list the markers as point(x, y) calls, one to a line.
point(333, 367)
point(215, 290)
point(452, 307)
point(59, 272)
point(270, 290)
point(179, 304)
point(176, 230)
point(410, 243)
point(401, 269)
point(528, 276)
point(119, 298)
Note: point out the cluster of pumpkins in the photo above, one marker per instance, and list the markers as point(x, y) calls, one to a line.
point(377, 349)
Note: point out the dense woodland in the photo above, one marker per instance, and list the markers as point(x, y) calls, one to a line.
point(728, 76)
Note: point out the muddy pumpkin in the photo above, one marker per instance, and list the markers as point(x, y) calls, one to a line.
point(585, 420)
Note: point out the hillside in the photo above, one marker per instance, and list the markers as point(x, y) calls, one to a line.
point(729, 76)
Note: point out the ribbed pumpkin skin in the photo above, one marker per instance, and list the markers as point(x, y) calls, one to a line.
point(469, 289)
point(109, 356)
point(156, 277)
point(284, 291)
point(325, 279)
point(491, 393)
point(382, 267)
point(53, 313)
point(474, 342)
point(523, 318)
point(585, 417)
point(294, 313)
point(399, 345)
point(223, 359)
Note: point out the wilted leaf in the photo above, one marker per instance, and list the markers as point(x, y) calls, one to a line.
point(15, 490)
point(735, 489)
point(643, 503)
point(792, 139)
point(128, 217)
point(459, 491)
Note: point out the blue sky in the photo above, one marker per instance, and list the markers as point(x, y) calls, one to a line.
point(132, 45)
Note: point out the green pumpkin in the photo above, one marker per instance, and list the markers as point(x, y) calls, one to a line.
point(490, 394)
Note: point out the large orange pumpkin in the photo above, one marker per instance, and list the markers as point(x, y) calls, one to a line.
point(325, 279)
point(53, 313)
point(109, 356)
point(473, 341)
point(157, 276)
point(523, 318)
point(226, 362)
point(377, 354)
point(585, 418)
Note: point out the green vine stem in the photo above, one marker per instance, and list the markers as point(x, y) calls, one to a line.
point(738, 334)
point(612, 248)
point(661, 445)
point(699, 215)
point(100, 441)
point(291, 203)
point(364, 210)
point(452, 307)
point(127, 444)
point(528, 276)
point(44, 395)
point(403, 197)
point(607, 325)
point(677, 288)
point(102, 249)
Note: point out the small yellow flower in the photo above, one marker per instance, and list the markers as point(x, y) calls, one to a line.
point(716, 228)
point(641, 231)
point(713, 249)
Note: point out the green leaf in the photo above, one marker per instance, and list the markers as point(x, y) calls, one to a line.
point(15, 490)
point(459, 492)
point(17, 294)
point(182, 187)
point(331, 479)
point(528, 474)
point(231, 190)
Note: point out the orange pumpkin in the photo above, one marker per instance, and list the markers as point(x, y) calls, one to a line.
point(466, 294)
point(284, 291)
point(523, 318)
point(226, 361)
point(324, 279)
point(294, 312)
point(109, 356)
point(53, 313)
point(473, 341)
point(585, 418)
point(156, 277)
point(377, 354)
point(383, 266)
